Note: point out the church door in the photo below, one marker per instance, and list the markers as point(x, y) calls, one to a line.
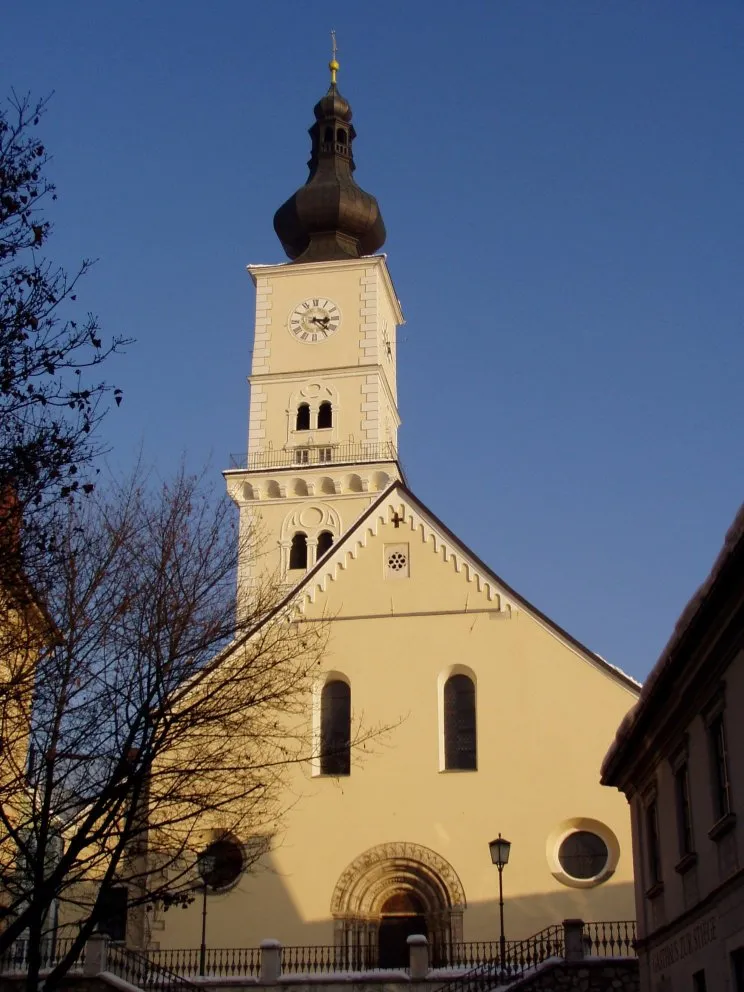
point(402, 915)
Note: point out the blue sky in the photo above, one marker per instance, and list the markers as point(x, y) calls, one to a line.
point(561, 181)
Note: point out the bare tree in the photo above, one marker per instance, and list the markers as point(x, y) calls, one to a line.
point(49, 408)
point(162, 716)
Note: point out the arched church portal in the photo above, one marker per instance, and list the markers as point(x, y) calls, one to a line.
point(390, 892)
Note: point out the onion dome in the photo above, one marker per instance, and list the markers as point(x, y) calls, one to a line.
point(330, 217)
point(332, 105)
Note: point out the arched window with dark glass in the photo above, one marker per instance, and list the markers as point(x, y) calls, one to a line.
point(113, 907)
point(325, 415)
point(335, 728)
point(298, 551)
point(328, 135)
point(325, 540)
point(303, 417)
point(341, 136)
point(459, 723)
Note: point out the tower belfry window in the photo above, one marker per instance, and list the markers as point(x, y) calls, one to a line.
point(298, 551)
point(325, 416)
point(303, 417)
point(325, 541)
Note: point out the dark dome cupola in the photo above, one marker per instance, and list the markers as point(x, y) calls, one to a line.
point(330, 217)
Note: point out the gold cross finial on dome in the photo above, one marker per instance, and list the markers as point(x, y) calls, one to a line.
point(333, 64)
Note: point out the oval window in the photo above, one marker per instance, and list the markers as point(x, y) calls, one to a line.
point(583, 855)
point(221, 863)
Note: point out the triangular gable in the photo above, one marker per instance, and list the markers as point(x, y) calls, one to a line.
point(415, 517)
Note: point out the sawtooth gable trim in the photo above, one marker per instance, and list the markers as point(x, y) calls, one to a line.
point(415, 517)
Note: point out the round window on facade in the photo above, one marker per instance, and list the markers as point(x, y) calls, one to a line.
point(583, 855)
point(221, 863)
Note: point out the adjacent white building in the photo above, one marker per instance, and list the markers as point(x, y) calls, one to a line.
point(679, 758)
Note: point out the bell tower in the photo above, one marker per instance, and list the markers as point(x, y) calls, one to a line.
point(323, 423)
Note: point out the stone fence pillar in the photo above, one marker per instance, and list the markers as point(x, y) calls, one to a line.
point(418, 955)
point(271, 962)
point(96, 954)
point(573, 939)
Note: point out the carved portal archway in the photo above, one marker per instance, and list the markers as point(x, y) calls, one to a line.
point(406, 871)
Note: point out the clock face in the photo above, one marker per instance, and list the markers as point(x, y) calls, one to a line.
point(314, 320)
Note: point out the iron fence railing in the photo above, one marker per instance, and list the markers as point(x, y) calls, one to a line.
point(139, 970)
point(170, 969)
point(610, 938)
point(520, 956)
point(464, 954)
point(324, 959)
point(316, 455)
point(224, 962)
point(53, 950)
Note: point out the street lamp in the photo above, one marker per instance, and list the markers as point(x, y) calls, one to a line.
point(205, 864)
point(500, 849)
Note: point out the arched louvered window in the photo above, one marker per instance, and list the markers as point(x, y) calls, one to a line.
point(325, 540)
point(303, 417)
point(325, 415)
point(335, 728)
point(459, 723)
point(298, 551)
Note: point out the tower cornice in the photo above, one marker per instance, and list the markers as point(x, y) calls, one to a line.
point(283, 270)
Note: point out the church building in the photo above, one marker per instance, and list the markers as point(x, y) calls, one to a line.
point(499, 718)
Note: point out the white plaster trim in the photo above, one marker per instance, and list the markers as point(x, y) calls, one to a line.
point(349, 546)
point(413, 522)
point(256, 416)
point(261, 338)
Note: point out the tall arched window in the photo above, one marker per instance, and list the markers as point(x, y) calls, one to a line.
point(325, 415)
point(459, 723)
point(303, 417)
point(298, 551)
point(335, 728)
point(325, 540)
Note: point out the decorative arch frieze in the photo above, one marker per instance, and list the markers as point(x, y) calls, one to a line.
point(374, 875)
point(309, 519)
point(313, 393)
point(384, 872)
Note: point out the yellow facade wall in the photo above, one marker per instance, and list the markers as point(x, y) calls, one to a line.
point(546, 712)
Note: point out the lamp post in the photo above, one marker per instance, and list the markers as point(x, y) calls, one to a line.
point(500, 849)
point(206, 864)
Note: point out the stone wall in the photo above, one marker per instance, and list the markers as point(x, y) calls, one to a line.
point(70, 983)
point(590, 975)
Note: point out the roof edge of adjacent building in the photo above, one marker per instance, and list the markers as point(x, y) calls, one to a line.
point(677, 654)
